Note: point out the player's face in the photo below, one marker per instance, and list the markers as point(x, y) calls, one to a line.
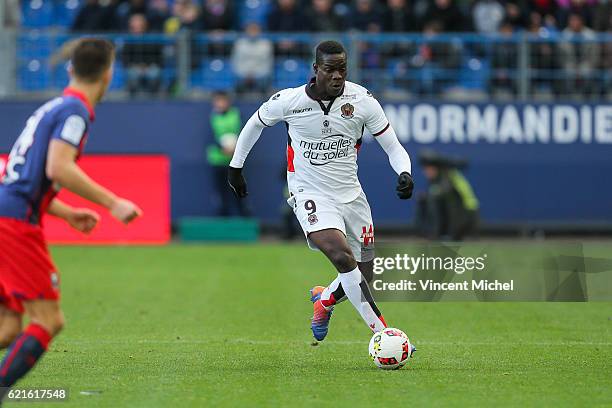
point(331, 74)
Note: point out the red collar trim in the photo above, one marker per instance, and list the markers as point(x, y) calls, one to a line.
point(80, 96)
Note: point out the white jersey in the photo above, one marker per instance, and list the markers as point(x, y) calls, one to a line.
point(324, 137)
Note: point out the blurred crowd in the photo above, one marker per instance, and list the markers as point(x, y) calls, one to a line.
point(482, 16)
point(427, 66)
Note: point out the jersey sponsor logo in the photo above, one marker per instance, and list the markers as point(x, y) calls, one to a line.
point(347, 111)
point(348, 96)
point(301, 110)
point(325, 151)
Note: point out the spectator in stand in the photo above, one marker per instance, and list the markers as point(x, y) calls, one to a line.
point(217, 15)
point(287, 17)
point(94, 17)
point(543, 7)
point(143, 60)
point(606, 60)
point(542, 53)
point(126, 10)
point(322, 17)
point(447, 15)
point(253, 61)
point(157, 14)
point(582, 7)
point(516, 13)
point(602, 21)
point(579, 56)
point(366, 17)
point(185, 16)
point(435, 61)
point(398, 17)
point(504, 61)
point(487, 16)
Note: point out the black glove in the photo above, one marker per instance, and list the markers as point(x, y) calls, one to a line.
point(237, 182)
point(405, 185)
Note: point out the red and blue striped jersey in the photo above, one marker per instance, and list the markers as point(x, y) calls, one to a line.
point(25, 189)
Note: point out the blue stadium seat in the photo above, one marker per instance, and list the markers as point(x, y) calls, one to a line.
point(33, 75)
point(60, 77)
point(118, 81)
point(215, 75)
point(290, 73)
point(65, 12)
point(254, 11)
point(474, 73)
point(37, 13)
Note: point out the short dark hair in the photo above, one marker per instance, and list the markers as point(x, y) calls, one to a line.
point(327, 48)
point(91, 57)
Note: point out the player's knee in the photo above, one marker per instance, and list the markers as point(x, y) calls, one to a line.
point(343, 260)
point(7, 336)
point(52, 322)
point(56, 323)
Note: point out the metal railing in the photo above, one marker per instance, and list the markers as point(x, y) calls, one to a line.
point(467, 66)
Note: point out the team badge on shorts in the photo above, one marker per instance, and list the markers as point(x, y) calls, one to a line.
point(54, 280)
point(312, 219)
point(347, 111)
point(367, 235)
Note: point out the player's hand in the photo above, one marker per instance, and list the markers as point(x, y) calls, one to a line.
point(405, 185)
point(125, 210)
point(83, 219)
point(237, 182)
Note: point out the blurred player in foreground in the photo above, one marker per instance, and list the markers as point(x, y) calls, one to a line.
point(325, 122)
point(42, 160)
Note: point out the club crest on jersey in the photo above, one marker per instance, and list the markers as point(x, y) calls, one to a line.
point(312, 219)
point(347, 111)
point(326, 123)
point(367, 235)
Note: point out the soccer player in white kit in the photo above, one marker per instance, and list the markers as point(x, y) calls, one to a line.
point(325, 122)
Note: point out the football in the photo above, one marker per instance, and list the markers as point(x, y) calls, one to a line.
point(390, 349)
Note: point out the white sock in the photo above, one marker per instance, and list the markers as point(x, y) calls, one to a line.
point(350, 283)
point(331, 288)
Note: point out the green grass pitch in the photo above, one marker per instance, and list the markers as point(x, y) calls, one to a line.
point(220, 325)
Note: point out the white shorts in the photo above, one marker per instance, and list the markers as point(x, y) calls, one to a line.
point(317, 212)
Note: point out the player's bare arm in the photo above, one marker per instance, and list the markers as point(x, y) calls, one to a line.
point(81, 219)
point(62, 169)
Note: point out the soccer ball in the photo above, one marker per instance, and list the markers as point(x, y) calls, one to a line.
point(390, 349)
